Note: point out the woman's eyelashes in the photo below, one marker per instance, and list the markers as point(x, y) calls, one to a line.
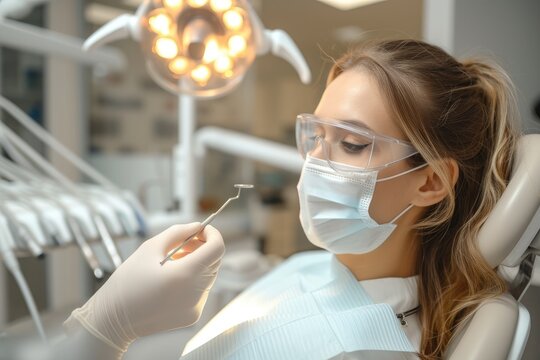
point(354, 146)
point(350, 146)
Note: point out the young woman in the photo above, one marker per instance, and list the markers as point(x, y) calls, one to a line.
point(405, 156)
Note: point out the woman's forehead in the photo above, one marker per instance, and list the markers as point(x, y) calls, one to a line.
point(355, 96)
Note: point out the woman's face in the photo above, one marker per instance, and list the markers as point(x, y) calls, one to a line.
point(354, 95)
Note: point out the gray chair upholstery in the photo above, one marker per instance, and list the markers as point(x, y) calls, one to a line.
point(510, 237)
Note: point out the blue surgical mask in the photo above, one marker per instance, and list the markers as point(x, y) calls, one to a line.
point(334, 209)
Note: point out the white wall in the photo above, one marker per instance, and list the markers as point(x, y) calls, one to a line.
point(65, 119)
point(509, 31)
point(63, 87)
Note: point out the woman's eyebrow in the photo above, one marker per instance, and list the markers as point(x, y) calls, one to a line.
point(356, 123)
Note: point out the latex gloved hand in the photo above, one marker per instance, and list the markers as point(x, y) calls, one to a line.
point(142, 297)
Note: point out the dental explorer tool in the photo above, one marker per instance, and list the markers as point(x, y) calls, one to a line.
point(207, 221)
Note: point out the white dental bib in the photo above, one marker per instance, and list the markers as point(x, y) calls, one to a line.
point(310, 307)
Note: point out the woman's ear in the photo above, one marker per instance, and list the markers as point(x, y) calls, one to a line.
point(432, 188)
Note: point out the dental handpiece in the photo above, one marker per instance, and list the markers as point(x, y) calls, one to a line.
point(207, 221)
point(22, 232)
point(74, 228)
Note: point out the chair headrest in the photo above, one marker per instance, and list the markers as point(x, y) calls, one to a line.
point(515, 220)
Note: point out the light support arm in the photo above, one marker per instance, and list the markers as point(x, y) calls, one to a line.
point(249, 147)
point(283, 46)
point(118, 28)
point(122, 27)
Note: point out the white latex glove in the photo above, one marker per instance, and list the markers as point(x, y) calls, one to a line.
point(142, 297)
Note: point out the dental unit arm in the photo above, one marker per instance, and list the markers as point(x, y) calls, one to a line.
point(18, 8)
point(25, 37)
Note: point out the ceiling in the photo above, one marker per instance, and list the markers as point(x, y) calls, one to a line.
point(312, 22)
point(313, 25)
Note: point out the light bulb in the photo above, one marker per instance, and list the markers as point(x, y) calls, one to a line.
point(220, 5)
point(223, 64)
point(166, 47)
point(172, 3)
point(179, 66)
point(160, 24)
point(237, 45)
point(233, 19)
point(211, 51)
point(197, 3)
point(201, 74)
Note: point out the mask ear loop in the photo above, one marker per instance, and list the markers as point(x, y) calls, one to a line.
point(402, 173)
point(395, 176)
point(401, 214)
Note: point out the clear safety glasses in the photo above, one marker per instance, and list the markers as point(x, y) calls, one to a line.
point(348, 147)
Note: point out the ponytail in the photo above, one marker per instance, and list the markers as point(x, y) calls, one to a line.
point(499, 100)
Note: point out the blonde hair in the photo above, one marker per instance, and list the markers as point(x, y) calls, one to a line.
point(464, 111)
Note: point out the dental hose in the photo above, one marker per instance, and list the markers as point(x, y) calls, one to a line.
point(12, 265)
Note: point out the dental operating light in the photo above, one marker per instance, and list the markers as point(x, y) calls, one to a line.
point(200, 47)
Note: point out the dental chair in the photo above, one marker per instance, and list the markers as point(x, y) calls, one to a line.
point(509, 240)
